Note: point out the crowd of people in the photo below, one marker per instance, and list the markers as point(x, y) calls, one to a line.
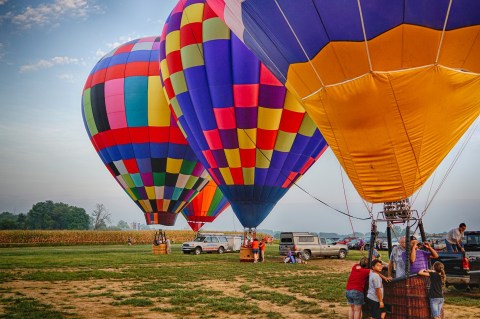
point(420, 255)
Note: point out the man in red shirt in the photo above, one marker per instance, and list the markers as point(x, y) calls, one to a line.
point(356, 287)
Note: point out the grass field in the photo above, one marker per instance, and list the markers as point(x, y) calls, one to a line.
point(129, 282)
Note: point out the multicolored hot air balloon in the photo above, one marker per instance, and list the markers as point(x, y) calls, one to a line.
point(205, 207)
point(131, 127)
point(251, 135)
point(392, 85)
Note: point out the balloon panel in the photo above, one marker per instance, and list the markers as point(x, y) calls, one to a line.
point(390, 108)
point(253, 137)
point(206, 206)
point(130, 125)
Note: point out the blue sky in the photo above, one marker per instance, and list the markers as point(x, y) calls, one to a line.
point(47, 49)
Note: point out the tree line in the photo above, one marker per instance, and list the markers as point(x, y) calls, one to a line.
point(55, 216)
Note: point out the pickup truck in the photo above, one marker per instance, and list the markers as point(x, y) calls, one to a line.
point(310, 245)
point(463, 269)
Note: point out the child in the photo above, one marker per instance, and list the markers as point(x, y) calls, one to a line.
point(437, 280)
point(375, 291)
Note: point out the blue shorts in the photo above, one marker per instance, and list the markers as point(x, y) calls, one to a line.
point(436, 305)
point(255, 251)
point(355, 297)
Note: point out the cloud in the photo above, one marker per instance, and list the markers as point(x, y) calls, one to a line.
point(2, 2)
point(113, 45)
point(45, 64)
point(51, 13)
point(66, 77)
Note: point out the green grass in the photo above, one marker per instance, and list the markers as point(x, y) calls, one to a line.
point(130, 279)
point(21, 308)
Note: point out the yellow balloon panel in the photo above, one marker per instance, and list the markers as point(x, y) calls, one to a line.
point(391, 130)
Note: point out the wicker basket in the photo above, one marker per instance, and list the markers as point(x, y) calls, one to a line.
point(160, 249)
point(246, 254)
point(408, 298)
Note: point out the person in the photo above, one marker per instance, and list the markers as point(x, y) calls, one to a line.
point(396, 260)
point(355, 288)
point(290, 258)
point(361, 244)
point(262, 250)
point(435, 293)
point(375, 291)
point(454, 239)
point(377, 255)
point(168, 246)
point(129, 241)
point(255, 246)
point(418, 257)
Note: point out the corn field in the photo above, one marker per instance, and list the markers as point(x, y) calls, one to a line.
point(10, 238)
point(16, 238)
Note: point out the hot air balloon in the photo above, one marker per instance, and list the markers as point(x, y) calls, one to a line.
point(392, 85)
point(131, 127)
point(251, 135)
point(205, 207)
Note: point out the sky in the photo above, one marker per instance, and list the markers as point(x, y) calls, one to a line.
point(47, 50)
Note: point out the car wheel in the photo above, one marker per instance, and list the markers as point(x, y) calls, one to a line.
point(342, 254)
point(307, 254)
point(198, 250)
point(221, 250)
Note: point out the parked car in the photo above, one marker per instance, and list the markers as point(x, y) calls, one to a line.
point(334, 239)
point(310, 245)
point(212, 243)
point(384, 244)
point(463, 269)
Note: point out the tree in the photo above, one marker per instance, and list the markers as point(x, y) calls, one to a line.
point(50, 215)
point(123, 225)
point(8, 221)
point(100, 217)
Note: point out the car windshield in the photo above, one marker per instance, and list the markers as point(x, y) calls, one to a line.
point(199, 239)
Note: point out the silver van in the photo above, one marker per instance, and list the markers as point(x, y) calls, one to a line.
point(310, 245)
point(212, 243)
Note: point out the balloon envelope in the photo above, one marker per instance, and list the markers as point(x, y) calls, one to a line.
point(130, 125)
point(392, 85)
point(205, 207)
point(253, 137)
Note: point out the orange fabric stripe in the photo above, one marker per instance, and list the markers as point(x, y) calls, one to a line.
point(405, 46)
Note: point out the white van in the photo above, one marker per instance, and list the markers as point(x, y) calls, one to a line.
point(219, 243)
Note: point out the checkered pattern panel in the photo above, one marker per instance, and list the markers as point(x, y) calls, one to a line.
point(131, 127)
point(240, 120)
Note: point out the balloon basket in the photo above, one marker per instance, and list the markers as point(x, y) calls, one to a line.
point(160, 249)
point(407, 298)
point(246, 254)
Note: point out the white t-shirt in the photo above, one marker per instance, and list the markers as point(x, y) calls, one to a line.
point(454, 235)
point(374, 281)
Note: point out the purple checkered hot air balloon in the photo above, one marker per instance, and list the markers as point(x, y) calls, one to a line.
point(253, 137)
point(131, 127)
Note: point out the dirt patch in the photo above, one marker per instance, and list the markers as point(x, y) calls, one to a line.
point(99, 298)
